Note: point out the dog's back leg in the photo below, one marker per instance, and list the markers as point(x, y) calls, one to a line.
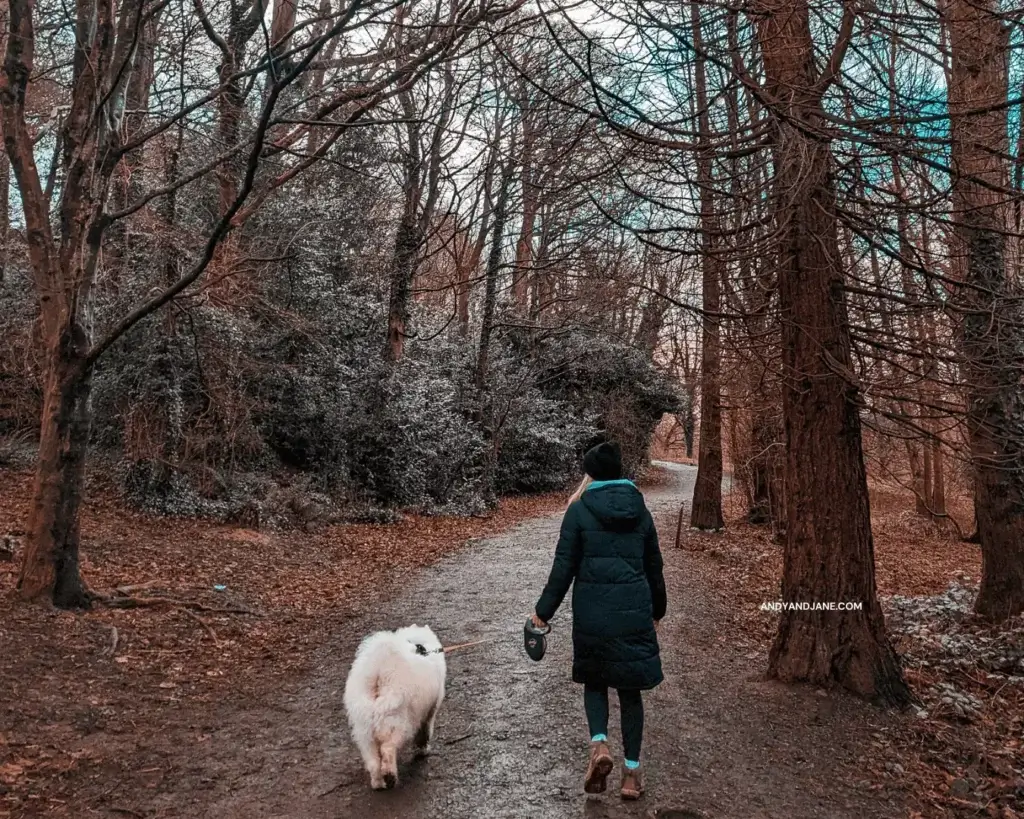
point(389, 762)
point(425, 734)
point(370, 752)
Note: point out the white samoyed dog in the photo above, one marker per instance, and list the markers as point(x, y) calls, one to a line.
point(393, 693)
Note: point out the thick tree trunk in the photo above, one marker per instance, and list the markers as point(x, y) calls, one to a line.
point(707, 492)
point(50, 565)
point(5, 212)
point(992, 330)
point(996, 425)
point(5, 165)
point(829, 553)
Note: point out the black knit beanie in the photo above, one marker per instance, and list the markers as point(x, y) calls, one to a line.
point(603, 462)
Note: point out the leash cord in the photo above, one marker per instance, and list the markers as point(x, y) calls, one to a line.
point(422, 651)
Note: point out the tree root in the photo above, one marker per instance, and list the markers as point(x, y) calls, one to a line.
point(205, 625)
point(125, 591)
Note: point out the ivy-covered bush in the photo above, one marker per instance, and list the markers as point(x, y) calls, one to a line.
point(613, 382)
point(263, 396)
point(412, 442)
point(540, 446)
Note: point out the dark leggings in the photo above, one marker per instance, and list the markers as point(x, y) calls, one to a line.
point(631, 704)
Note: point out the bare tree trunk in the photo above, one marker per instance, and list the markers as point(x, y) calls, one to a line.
point(486, 405)
point(5, 211)
point(652, 317)
point(408, 237)
point(689, 427)
point(244, 22)
point(469, 265)
point(686, 416)
point(128, 180)
point(917, 470)
point(465, 264)
point(408, 241)
point(491, 280)
point(829, 554)
point(764, 477)
point(524, 245)
point(992, 332)
point(462, 295)
point(283, 24)
point(926, 480)
point(65, 272)
point(1018, 174)
point(420, 191)
point(50, 567)
point(707, 493)
point(228, 128)
point(918, 451)
point(937, 500)
point(5, 165)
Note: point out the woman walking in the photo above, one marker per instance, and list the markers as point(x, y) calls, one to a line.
point(608, 546)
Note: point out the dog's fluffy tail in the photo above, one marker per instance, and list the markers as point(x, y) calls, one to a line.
point(378, 663)
point(372, 663)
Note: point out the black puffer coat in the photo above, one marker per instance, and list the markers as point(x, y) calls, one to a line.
point(609, 547)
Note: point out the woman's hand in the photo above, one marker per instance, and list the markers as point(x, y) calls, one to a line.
point(537, 621)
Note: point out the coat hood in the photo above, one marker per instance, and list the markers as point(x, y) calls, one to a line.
point(618, 505)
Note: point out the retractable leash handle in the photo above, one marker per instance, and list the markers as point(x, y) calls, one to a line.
point(535, 640)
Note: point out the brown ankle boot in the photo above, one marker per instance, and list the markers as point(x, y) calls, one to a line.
point(598, 769)
point(632, 784)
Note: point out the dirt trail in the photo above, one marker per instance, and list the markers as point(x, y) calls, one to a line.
point(721, 742)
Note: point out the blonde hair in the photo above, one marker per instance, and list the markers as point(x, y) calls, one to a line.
point(575, 496)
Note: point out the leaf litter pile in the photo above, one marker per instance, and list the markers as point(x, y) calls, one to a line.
point(960, 751)
point(198, 615)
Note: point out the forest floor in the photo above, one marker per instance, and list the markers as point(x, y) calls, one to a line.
point(176, 711)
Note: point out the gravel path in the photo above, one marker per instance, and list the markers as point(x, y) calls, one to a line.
point(721, 742)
